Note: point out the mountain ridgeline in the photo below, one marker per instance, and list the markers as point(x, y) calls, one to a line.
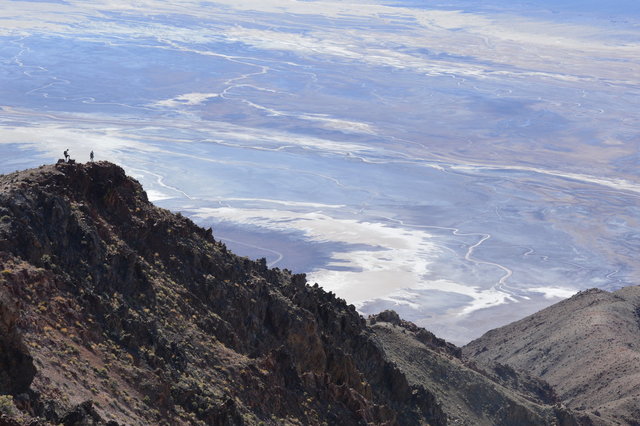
point(114, 311)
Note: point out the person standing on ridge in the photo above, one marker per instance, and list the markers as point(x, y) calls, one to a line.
point(91, 156)
point(66, 155)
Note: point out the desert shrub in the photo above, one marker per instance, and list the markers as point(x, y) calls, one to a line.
point(6, 405)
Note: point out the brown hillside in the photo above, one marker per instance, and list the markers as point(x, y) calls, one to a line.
point(587, 347)
point(494, 395)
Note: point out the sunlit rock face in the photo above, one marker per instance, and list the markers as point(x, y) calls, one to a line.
point(464, 164)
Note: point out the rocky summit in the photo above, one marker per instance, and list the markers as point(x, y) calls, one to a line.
point(114, 311)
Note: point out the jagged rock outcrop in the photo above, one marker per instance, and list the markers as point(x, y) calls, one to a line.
point(145, 314)
point(132, 314)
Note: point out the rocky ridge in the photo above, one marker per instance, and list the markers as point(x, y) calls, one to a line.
point(114, 311)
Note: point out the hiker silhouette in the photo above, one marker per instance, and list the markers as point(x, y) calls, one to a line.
point(91, 156)
point(66, 154)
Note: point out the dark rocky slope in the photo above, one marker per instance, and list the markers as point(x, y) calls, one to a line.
point(113, 310)
point(587, 347)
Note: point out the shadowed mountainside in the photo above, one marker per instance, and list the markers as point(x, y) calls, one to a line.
point(492, 395)
point(114, 311)
point(587, 347)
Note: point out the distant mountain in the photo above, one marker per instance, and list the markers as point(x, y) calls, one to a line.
point(586, 347)
point(114, 311)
